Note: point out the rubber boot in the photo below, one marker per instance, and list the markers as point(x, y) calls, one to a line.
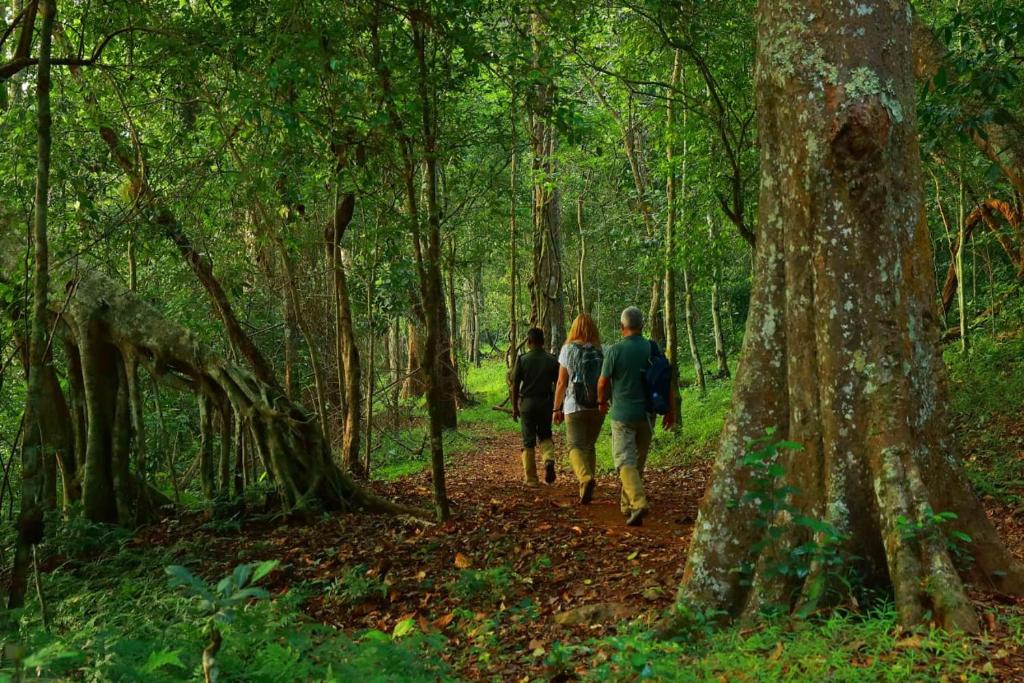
point(530, 467)
point(584, 472)
point(634, 498)
point(547, 448)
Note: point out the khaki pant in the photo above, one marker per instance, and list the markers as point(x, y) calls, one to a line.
point(630, 443)
point(582, 430)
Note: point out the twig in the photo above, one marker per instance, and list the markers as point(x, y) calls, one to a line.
point(39, 590)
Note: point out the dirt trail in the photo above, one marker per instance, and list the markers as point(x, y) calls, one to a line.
point(509, 573)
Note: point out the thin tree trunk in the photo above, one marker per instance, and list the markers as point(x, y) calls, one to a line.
point(430, 278)
point(30, 518)
point(513, 267)
point(699, 379)
point(716, 306)
point(671, 325)
point(961, 244)
point(691, 333)
point(581, 284)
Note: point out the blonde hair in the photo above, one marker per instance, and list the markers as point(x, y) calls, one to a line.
point(584, 331)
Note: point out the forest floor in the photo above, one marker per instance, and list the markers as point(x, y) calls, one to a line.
point(522, 579)
point(516, 572)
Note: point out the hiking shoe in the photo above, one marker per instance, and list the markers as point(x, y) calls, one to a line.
point(637, 518)
point(588, 493)
point(549, 472)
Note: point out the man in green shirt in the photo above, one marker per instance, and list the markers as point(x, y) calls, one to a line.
point(622, 381)
point(533, 400)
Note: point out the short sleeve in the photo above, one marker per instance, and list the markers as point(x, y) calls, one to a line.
point(563, 356)
point(517, 375)
point(608, 366)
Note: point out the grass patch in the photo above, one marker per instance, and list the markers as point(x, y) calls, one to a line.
point(843, 647)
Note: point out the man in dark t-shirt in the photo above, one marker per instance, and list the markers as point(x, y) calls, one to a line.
point(533, 399)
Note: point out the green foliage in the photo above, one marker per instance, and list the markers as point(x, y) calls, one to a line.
point(936, 527)
point(845, 647)
point(219, 603)
point(118, 622)
point(481, 587)
point(357, 586)
point(816, 557)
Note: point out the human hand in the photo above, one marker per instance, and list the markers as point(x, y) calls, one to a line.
point(558, 417)
point(669, 421)
point(515, 414)
point(603, 407)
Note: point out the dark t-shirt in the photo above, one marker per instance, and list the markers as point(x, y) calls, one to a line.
point(536, 374)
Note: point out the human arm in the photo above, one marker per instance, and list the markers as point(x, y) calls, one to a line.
point(515, 392)
point(604, 382)
point(563, 382)
point(604, 390)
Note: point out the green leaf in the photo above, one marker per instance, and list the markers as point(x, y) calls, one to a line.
point(161, 658)
point(404, 628)
point(262, 569)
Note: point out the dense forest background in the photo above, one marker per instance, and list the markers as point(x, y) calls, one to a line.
point(286, 252)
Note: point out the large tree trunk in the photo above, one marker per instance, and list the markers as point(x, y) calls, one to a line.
point(841, 350)
point(546, 287)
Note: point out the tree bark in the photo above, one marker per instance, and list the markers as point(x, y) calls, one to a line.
point(671, 249)
point(30, 516)
point(513, 267)
point(841, 351)
point(429, 265)
point(547, 310)
point(716, 306)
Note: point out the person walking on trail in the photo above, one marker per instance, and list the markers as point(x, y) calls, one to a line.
point(533, 398)
point(580, 362)
point(625, 380)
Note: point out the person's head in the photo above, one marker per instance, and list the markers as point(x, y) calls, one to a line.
point(535, 338)
point(631, 321)
point(584, 331)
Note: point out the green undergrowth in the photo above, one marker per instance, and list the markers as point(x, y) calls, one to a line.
point(843, 647)
point(119, 619)
point(987, 393)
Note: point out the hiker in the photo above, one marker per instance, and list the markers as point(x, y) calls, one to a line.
point(625, 380)
point(533, 397)
point(579, 369)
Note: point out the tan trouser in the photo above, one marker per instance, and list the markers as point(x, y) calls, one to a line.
point(630, 443)
point(582, 431)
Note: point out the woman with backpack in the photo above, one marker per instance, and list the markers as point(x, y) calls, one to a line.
point(580, 363)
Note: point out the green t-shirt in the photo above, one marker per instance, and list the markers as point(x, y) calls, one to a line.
point(624, 365)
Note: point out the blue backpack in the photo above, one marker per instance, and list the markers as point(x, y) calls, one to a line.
point(657, 382)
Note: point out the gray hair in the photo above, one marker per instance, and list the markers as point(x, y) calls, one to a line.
point(632, 319)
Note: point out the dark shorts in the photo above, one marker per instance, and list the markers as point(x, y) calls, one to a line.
point(535, 420)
